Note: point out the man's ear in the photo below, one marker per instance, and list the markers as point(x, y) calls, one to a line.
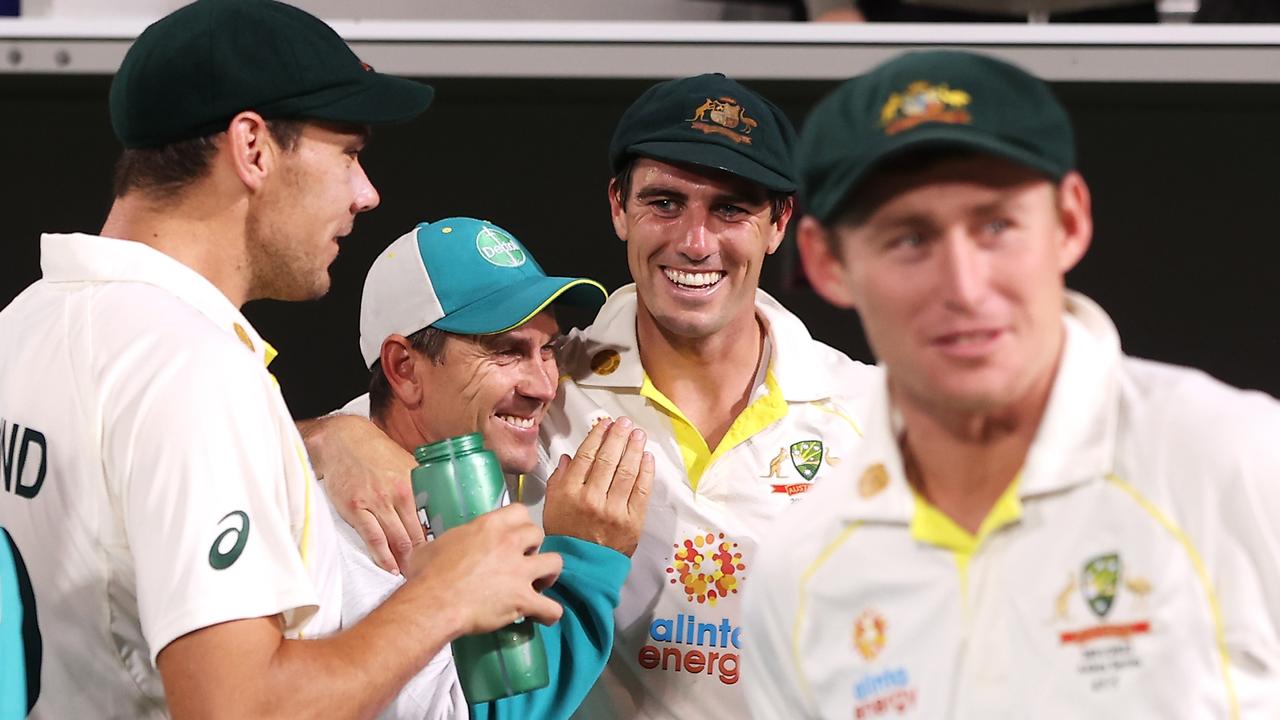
point(618, 210)
point(399, 365)
point(1075, 212)
point(822, 264)
point(252, 151)
point(780, 226)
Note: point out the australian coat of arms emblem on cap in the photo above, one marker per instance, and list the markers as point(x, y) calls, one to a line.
point(923, 102)
point(723, 116)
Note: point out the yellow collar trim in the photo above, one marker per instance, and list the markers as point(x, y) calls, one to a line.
point(930, 525)
point(697, 456)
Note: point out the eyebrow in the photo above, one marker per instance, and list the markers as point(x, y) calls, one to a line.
point(658, 191)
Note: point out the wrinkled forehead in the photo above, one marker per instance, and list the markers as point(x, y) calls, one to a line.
point(647, 172)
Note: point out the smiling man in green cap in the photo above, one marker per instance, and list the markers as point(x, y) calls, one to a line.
point(177, 548)
point(744, 410)
point(1035, 524)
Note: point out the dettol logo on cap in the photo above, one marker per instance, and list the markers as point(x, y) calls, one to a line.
point(499, 248)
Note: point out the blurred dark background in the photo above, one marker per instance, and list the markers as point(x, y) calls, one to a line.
point(1183, 180)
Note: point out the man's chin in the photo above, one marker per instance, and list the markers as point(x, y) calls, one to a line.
point(516, 460)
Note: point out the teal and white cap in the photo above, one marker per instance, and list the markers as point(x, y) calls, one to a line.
point(463, 276)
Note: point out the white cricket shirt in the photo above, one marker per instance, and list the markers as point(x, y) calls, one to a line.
point(1132, 570)
point(680, 635)
point(152, 477)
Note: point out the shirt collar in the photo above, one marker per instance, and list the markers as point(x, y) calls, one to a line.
point(78, 257)
point(802, 374)
point(1075, 442)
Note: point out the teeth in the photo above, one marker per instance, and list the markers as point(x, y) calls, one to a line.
point(520, 422)
point(695, 280)
point(971, 337)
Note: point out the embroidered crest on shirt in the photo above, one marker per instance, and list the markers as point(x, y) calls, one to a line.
point(1108, 647)
point(806, 456)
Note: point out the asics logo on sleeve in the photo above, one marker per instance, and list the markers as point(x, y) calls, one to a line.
point(230, 543)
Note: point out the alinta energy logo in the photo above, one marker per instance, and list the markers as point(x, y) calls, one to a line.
point(708, 568)
point(882, 691)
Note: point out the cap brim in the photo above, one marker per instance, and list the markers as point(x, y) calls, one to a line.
point(516, 305)
point(944, 137)
point(377, 100)
point(714, 156)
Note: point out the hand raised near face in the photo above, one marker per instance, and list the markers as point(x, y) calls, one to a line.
point(602, 494)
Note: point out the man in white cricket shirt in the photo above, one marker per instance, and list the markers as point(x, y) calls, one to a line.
point(153, 479)
point(1035, 525)
point(744, 411)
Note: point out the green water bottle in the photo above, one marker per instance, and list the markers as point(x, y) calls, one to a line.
point(456, 481)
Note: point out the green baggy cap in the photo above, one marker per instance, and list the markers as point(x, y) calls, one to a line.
point(711, 121)
point(932, 99)
point(191, 71)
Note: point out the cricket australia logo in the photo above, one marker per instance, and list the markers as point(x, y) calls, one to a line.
point(1099, 581)
point(499, 248)
point(806, 457)
point(923, 102)
point(725, 117)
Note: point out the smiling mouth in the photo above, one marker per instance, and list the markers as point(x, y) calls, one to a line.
point(695, 280)
point(522, 423)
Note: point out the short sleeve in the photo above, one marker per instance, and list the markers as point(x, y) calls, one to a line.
point(215, 499)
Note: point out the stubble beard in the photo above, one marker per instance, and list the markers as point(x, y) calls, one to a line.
point(280, 266)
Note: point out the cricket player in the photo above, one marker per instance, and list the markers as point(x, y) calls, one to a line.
point(1035, 525)
point(180, 560)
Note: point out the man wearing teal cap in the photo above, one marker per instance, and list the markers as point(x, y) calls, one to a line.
point(1035, 524)
point(457, 324)
point(179, 558)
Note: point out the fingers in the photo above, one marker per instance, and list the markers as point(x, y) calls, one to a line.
point(557, 475)
point(638, 502)
point(628, 470)
point(406, 509)
point(507, 516)
point(607, 459)
point(397, 540)
point(546, 568)
point(582, 460)
point(543, 609)
point(510, 524)
point(371, 532)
